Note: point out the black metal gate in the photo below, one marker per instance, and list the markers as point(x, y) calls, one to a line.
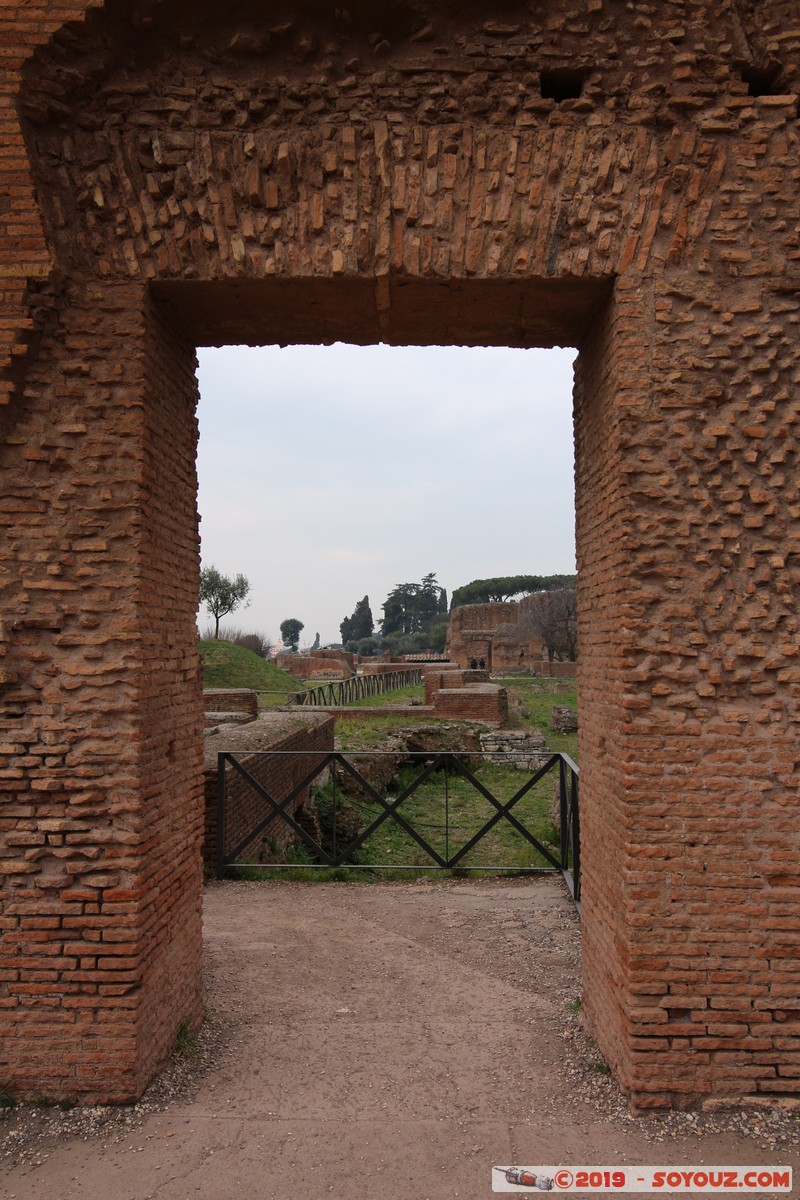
point(262, 798)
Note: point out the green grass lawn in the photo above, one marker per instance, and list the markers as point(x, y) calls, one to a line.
point(447, 810)
point(538, 697)
point(226, 665)
point(368, 733)
point(532, 700)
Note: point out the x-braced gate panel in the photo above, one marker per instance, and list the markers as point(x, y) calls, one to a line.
point(427, 812)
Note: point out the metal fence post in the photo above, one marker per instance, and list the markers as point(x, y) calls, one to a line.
point(564, 815)
point(221, 757)
point(575, 826)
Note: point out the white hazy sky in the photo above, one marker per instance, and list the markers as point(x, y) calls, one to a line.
point(331, 472)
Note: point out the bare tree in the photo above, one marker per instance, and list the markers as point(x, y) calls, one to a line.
point(553, 616)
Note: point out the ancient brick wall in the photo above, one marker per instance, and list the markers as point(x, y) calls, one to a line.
point(622, 177)
point(316, 666)
point(231, 700)
point(497, 634)
point(470, 634)
point(556, 670)
point(297, 665)
point(518, 748)
point(329, 668)
point(103, 717)
point(374, 666)
point(484, 702)
point(280, 773)
point(436, 680)
point(337, 656)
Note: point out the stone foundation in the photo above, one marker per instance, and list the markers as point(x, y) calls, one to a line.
point(529, 750)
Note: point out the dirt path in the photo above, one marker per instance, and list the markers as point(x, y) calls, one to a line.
point(388, 1041)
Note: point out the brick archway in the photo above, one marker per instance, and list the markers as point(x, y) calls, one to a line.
point(184, 179)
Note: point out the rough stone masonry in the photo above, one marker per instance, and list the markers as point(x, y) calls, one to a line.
point(616, 175)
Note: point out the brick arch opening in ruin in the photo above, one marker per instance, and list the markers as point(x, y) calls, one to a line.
point(617, 176)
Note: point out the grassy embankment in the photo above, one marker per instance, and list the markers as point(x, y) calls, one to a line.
point(226, 665)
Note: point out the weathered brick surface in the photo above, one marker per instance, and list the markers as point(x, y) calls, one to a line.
point(165, 182)
point(436, 679)
point(521, 749)
point(101, 718)
point(497, 634)
point(484, 702)
point(556, 670)
point(324, 664)
point(472, 631)
point(231, 700)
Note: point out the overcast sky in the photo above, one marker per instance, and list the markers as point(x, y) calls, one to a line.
point(331, 472)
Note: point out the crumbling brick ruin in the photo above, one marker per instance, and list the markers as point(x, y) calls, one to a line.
point(321, 664)
point(496, 634)
point(472, 630)
point(617, 175)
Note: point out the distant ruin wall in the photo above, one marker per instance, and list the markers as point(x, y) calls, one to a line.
point(496, 634)
point(316, 666)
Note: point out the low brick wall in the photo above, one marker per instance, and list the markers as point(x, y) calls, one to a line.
point(436, 681)
point(537, 666)
point(484, 702)
point(368, 712)
point(326, 663)
point(337, 656)
point(311, 731)
point(560, 670)
point(439, 668)
point(296, 665)
point(327, 668)
point(230, 700)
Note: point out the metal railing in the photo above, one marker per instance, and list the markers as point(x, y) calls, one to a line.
point(442, 837)
point(341, 692)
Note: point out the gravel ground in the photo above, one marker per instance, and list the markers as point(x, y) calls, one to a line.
point(401, 1035)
